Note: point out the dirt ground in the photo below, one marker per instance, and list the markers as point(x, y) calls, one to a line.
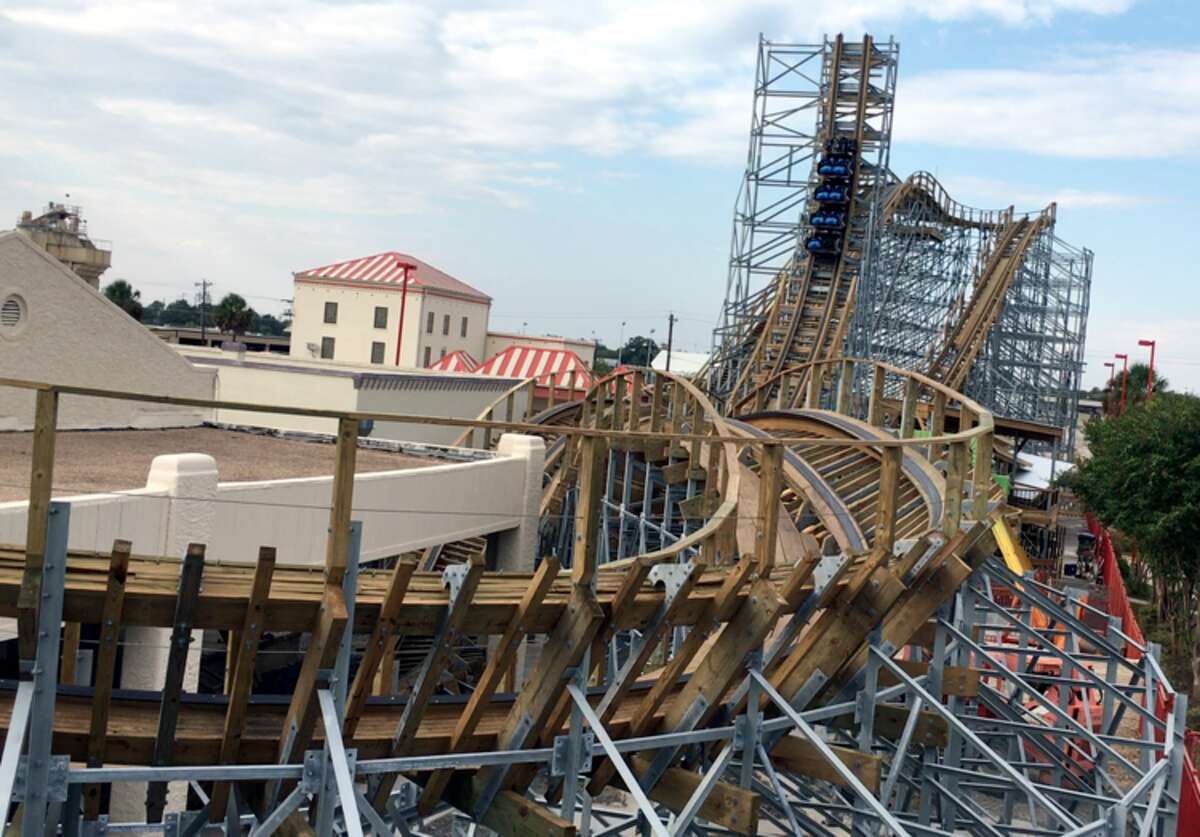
point(109, 460)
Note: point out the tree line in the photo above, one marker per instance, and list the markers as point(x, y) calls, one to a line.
point(230, 315)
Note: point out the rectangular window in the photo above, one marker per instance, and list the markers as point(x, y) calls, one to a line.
point(429, 323)
point(464, 327)
point(380, 317)
point(443, 354)
point(446, 324)
point(377, 351)
point(428, 353)
point(331, 312)
point(327, 348)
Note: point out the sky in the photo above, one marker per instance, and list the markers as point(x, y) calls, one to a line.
point(579, 161)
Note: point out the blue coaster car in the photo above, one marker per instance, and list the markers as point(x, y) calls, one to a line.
point(828, 220)
point(824, 244)
point(831, 193)
point(835, 165)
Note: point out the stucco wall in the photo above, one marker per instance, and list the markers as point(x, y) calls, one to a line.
point(400, 510)
point(440, 345)
point(70, 334)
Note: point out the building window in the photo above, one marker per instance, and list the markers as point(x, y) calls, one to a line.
point(331, 312)
point(327, 348)
point(464, 327)
point(429, 323)
point(443, 354)
point(428, 354)
point(380, 317)
point(377, 350)
point(446, 324)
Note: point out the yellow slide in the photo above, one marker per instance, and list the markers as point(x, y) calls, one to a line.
point(1010, 548)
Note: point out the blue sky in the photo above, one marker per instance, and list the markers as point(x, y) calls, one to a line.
point(579, 162)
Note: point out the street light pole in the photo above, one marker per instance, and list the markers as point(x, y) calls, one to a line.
point(1150, 377)
point(1124, 378)
point(405, 268)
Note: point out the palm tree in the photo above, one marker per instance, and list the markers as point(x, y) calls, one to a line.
point(233, 316)
point(121, 294)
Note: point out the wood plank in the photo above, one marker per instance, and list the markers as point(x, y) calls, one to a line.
point(383, 637)
point(799, 755)
point(497, 666)
point(337, 544)
point(70, 653)
point(593, 455)
point(41, 486)
point(242, 680)
point(181, 638)
point(727, 805)
point(511, 814)
point(769, 487)
point(106, 663)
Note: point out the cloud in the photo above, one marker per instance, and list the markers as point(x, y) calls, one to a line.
point(991, 193)
point(1124, 103)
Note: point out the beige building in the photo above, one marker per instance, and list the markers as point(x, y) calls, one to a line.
point(57, 329)
point(351, 312)
point(498, 341)
point(61, 230)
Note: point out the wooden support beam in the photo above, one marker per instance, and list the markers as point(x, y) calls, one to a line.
point(70, 653)
point(931, 730)
point(498, 664)
point(889, 489)
point(181, 639)
point(812, 394)
point(242, 681)
point(338, 541)
point(937, 424)
point(769, 488)
point(105, 667)
point(845, 387)
point(875, 403)
point(383, 636)
point(302, 713)
point(41, 487)
point(728, 806)
point(510, 814)
point(908, 412)
point(592, 459)
point(430, 673)
point(956, 469)
point(801, 756)
point(981, 477)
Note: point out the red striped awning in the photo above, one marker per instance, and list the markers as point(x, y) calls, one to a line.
point(456, 361)
point(543, 364)
point(388, 269)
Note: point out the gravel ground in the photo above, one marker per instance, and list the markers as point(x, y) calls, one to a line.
point(108, 460)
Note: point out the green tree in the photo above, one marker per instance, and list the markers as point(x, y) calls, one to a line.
point(233, 316)
point(180, 312)
point(1135, 388)
point(1143, 479)
point(269, 325)
point(153, 313)
point(638, 351)
point(121, 294)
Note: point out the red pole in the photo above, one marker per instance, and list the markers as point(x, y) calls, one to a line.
point(1124, 379)
point(406, 267)
point(1150, 378)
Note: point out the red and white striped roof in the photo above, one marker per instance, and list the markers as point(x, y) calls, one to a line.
point(457, 361)
point(384, 268)
point(543, 364)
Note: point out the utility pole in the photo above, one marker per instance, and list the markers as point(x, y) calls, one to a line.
point(670, 337)
point(203, 285)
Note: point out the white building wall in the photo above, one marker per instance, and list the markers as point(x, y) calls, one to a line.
point(400, 511)
point(498, 341)
point(441, 344)
point(70, 334)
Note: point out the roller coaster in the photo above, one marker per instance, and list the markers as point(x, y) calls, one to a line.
point(786, 601)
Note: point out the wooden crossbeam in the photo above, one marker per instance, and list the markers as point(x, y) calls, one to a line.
point(430, 673)
point(801, 756)
point(383, 637)
point(106, 663)
point(41, 485)
point(181, 637)
point(498, 664)
point(242, 681)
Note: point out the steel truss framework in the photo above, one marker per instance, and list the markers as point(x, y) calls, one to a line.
point(1048, 732)
point(932, 263)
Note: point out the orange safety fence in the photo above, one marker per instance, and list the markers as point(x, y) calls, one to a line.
point(1118, 606)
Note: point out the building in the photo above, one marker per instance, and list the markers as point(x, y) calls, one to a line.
point(56, 329)
point(353, 387)
point(498, 341)
point(62, 232)
point(357, 311)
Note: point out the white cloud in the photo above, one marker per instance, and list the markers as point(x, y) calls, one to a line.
point(1120, 104)
point(989, 193)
